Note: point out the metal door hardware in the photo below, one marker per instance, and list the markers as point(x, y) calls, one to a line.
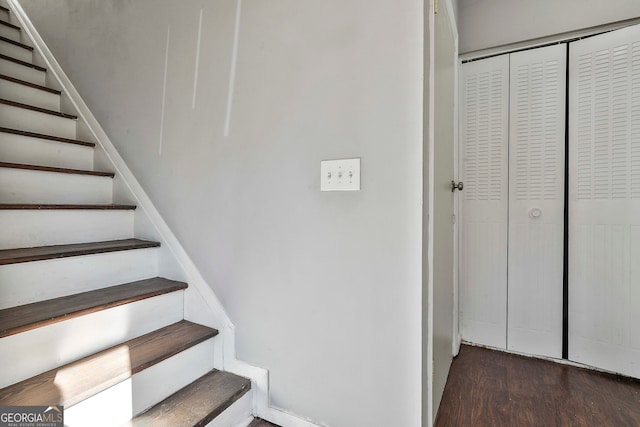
point(456, 186)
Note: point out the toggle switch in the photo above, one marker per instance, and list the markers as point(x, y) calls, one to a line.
point(340, 175)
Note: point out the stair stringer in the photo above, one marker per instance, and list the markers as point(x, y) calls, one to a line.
point(201, 305)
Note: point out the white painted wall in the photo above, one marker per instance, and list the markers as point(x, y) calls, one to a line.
point(324, 288)
point(490, 23)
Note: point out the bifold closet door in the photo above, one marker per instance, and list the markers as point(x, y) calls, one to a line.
point(604, 209)
point(536, 200)
point(484, 92)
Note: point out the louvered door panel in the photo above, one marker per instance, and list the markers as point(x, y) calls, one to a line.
point(604, 189)
point(536, 200)
point(484, 90)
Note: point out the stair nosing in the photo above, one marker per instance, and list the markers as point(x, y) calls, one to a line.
point(30, 84)
point(9, 24)
point(13, 42)
point(203, 333)
point(37, 109)
point(39, 206)
point(47, 137)
point(73, 249)
point(78, 306)
point(23, 63)
point(56, 169)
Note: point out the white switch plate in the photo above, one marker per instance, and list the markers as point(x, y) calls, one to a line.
point(340, 175)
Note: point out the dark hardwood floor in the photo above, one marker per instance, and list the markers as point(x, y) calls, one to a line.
point(492, 388)
point(257, 422)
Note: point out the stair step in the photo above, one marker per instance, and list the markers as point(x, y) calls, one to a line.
point(14, 49)
point(57, 170)
point(36, 206)
point(38, 109)
point(10, 25)
point(15, 43)
point(26, 283)
point(15, 256)
point(53, 185)
point(19, 69)
point(29, 93)
point(26, 83)
point(44, 225)
point(196, 404)
point(9, 30)
point(24, 63)
point(4, 9)
point(26, 317)
point(84, 378)
point(47, 137)
point(30, 118)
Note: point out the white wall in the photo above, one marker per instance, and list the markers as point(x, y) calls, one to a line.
point(490, 23)
point(324, 288)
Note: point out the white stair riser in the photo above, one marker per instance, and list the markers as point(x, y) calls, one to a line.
point(29, 186)
point(22, 72)
point(43, 152)
point(29, 282)
point(39, 350)
point(16, 52)
point(162, 380)
point(45, 227)
point(241, 410)
point(35, 121)
point(29, 95)
point(4, 15)
point(143, 389)
point(8, 32)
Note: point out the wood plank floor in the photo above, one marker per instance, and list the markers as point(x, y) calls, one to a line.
point(491, 388)
point(257, 422)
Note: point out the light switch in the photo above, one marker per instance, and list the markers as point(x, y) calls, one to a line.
point(340, 175)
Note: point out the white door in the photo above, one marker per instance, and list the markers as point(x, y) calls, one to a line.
point(445, 63)
point(536, 200)
point(484, 101)
point(604, 210)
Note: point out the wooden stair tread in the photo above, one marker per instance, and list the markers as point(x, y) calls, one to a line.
point(10, 25)
point(30, 316)
point(13, 42)
point(40, 253)
point(26, 83)
point(24, 63)
point(54, 169)
point(43, 136)
point(34, 206)
point(196, 404)
point(72, 383)
point(37, 109)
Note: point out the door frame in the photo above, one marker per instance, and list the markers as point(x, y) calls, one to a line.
point(457, 340)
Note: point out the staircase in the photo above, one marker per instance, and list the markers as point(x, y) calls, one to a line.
point(84, 321)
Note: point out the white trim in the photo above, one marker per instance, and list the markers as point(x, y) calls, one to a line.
point(430, 166)
point(454, 28)
point(258, 376)
point(542, 41)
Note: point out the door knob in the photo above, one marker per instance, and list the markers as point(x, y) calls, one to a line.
point(456, 186)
